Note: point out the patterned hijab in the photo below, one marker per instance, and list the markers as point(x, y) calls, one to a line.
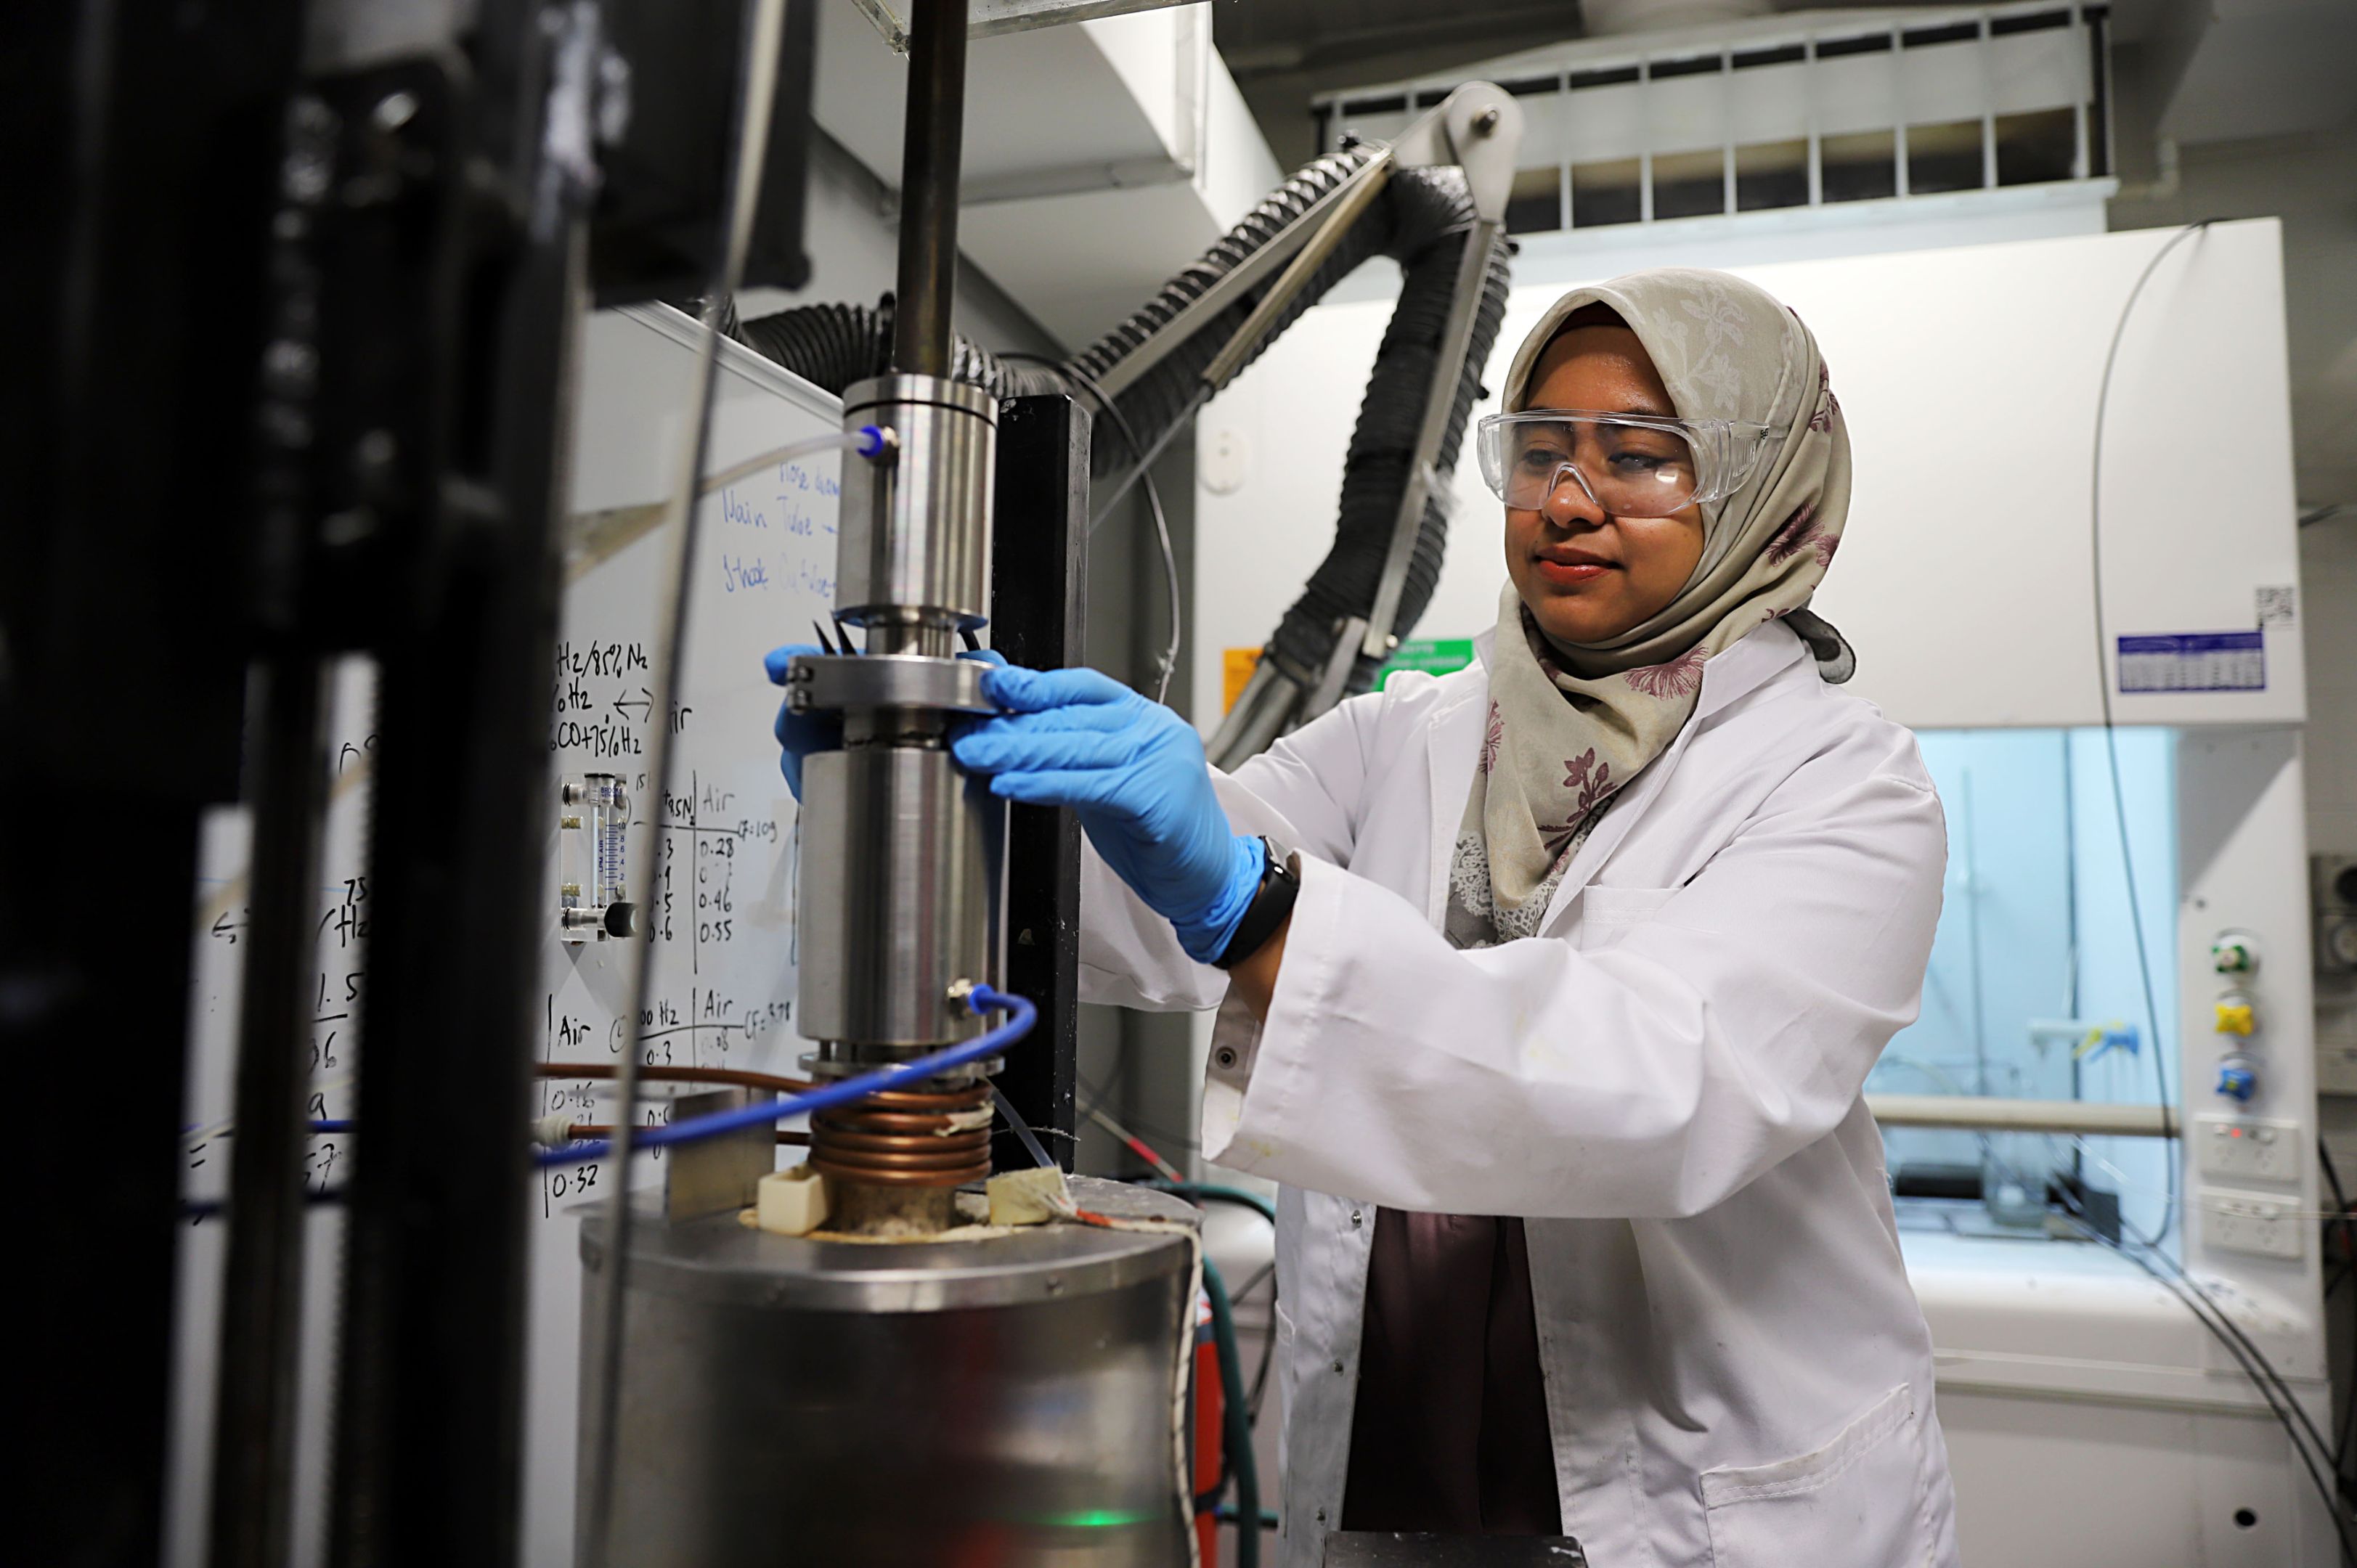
point(1570, 725)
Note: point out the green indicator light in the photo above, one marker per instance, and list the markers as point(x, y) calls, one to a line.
point(1099, 1518)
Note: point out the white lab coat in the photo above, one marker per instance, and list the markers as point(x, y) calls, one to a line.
point(1665, 1083)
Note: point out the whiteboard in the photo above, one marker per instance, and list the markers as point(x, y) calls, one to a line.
point(719, 903)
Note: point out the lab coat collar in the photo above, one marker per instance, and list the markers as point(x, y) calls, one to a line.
point(1733, 673)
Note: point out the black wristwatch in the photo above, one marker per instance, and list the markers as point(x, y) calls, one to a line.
point(1270, 905)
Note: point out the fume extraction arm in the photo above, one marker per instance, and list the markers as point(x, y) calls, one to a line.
point(1434, 201)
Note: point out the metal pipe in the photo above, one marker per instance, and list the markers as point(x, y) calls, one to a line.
point(929, 151)
point(1439, 406)
point(1363, 188)
point(1987, 1111)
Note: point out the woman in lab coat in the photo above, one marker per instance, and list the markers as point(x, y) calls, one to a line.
point(1550, 987)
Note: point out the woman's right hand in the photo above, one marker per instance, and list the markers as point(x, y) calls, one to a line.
point(1134, 773)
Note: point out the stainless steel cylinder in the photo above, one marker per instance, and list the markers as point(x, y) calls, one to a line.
point(902, 861)
point(915, 542)
point(1007, 1400)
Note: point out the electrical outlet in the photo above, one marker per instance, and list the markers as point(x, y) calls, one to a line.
point(2247, 1146)
point(2251, 1222)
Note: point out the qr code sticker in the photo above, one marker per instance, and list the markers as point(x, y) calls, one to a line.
point(2278, 607)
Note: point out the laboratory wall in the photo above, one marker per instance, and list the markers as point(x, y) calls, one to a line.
point(1970, 379)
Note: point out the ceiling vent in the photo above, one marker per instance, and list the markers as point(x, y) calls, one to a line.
point(1793, 111)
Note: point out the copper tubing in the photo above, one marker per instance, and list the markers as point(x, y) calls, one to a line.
point(900, 1138)
point(590, 1129)
point(767, 1081)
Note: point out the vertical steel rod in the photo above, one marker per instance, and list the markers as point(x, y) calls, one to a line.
point(931, 148)
point(253, 1426)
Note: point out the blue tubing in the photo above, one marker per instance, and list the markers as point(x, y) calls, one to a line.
point(983, 999)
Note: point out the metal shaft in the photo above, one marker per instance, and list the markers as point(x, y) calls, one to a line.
point(929, 156)
point(931, 143)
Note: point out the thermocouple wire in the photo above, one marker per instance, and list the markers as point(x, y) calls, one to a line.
point(1072, 375)
point(756, 97)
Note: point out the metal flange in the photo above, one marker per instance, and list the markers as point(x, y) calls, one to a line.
point(821, 682)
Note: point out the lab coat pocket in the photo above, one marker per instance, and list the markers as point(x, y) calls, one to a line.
point(1606, 914)
point(1857, 1503)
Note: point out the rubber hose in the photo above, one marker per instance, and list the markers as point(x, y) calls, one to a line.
point(1235, 1417)
point(1382, 448)
point(832, 346)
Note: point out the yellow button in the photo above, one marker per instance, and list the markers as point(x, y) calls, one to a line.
point(2235, 1019)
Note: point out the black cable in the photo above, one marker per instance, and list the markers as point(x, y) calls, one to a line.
point(1072, 375)
point(2342, 1217)
point(2224, 1326)
point(2255, 1365)
point(2254, 1362)
point(2348, 1227)
point(2111, 731)
point(1146, 455)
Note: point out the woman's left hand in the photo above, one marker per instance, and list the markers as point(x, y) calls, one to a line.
point(1133, 772)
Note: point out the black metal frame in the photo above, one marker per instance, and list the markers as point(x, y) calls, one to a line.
point(146, 151)
point(1039, 602)
point(302, 389)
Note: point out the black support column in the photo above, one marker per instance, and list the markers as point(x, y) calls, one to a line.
point(1038, 586)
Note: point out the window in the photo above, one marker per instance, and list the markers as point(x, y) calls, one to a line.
point(1863, 167)
point(2035, 991)
point(1772, 174)
point(2034, 148)
point(1605, 193)
point(1536, 203)
point(1689, 185)
point(1943, 158)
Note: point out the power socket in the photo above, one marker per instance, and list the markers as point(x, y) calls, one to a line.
point(2252, 1223)
point(2254, 1148)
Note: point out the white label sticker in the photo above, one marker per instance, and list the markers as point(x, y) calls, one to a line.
point(2279, 606)
point(2195, 661)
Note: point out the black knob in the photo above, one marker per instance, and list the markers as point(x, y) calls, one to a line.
point(2344, 883)
point(621, 920)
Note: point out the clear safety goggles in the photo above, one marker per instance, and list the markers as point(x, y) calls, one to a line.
point(1629, 465)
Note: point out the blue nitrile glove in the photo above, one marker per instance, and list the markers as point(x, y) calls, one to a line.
point(799, 734)
point(1134, 773)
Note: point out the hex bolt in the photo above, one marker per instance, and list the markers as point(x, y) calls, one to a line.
point(1486, 122)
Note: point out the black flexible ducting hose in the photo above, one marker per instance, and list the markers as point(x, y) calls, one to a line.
point(1421, 219)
